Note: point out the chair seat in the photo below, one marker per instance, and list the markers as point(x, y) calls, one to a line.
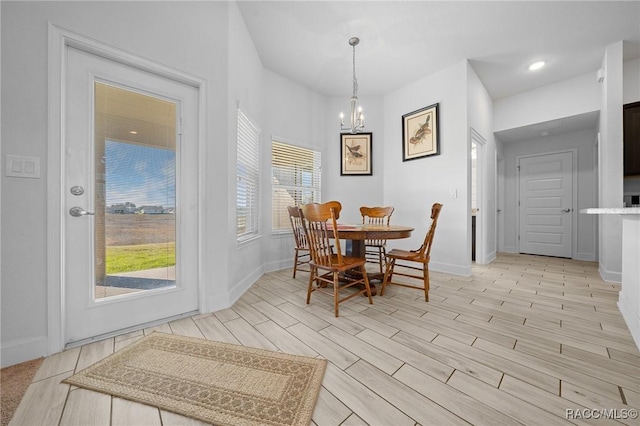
point(405, 255)
point(348, 262)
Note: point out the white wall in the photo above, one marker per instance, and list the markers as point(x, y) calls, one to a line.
point(156, 31)
point(354, 192)
point(584, 142)
point(245, 89)
point(296, 115)
point(566, 98)
point(413, 186)
point(610, 165)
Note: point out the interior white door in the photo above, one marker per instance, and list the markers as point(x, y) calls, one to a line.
point(546, 200)
point(130, 244)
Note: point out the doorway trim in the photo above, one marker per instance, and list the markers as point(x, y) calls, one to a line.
point(481, 194)
point(574, 194)
point(59, 39)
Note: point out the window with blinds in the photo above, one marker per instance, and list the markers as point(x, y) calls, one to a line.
point(296, 174)
point(248, 178)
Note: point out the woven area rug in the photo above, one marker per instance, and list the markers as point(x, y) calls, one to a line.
point(214, 382)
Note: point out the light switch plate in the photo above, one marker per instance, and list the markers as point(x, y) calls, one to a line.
point(24, 167)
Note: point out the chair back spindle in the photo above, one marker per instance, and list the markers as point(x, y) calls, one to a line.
point(302, 255)
point(375, 250)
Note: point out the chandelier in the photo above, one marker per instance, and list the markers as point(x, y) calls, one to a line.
point(357, 117)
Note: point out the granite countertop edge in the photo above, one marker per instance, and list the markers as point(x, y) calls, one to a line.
point(612, 210)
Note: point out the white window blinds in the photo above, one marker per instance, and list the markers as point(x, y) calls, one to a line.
point(296, 175)
point(248, 178)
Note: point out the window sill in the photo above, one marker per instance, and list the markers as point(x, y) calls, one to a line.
point(247, 241)
point(282, 234)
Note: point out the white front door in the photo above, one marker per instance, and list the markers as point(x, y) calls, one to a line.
point(130, 197)
point(546, 204)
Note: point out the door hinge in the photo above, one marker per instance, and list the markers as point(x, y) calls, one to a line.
point(180, 126)
point(518, 237)
point(518, 168)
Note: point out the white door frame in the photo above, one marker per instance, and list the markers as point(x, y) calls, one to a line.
point(59, 39)
point(574, 195)
point(499, 202)
point(481, 194)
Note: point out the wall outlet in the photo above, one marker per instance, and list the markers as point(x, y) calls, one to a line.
point(453, 193)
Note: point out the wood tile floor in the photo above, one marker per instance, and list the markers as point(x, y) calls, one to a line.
point(520, 342)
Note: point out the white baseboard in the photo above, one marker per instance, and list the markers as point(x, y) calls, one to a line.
point(449, 268)
point(219, 301)
point(239, 289)
point(509, 249)
point(18, 351)
point(588, 257)
point(491, 257)
point(611, 276)
point(630, 317)
point(278, 265)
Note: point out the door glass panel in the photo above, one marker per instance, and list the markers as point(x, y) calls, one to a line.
point(135, 192)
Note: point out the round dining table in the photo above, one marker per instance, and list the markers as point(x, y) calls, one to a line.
point(355, 236)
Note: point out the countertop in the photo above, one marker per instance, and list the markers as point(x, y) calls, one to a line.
point(612, 210)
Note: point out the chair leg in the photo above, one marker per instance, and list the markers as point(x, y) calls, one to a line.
point(335, 293)
point(387, 275)
point(366, 283)
point(312, 274)
point(380, 258)
point(425, 272)
point(295, 263)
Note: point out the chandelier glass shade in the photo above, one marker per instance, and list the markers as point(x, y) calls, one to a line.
point(356, 118)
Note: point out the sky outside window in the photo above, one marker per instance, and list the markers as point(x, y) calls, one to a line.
point(138, 174)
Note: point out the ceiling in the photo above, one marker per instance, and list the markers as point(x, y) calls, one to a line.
point(403, 41)
point(551, 128)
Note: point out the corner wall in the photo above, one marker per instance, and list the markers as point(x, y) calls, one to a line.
point(610, 155)
point(413, 186)
point(244, 90)
point(296, 115)
point(480, 117)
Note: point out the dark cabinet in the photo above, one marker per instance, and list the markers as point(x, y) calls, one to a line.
point(631, 119)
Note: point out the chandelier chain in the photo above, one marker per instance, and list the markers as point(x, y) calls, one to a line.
point(355, 80)
point(356, 118)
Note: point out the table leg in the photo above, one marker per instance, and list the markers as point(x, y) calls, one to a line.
point(356, 248)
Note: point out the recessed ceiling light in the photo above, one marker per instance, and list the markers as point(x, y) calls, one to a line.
point(133, 132)
point(536, 66)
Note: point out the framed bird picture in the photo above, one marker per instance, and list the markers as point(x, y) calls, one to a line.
point(420, 133)
point(355, 154)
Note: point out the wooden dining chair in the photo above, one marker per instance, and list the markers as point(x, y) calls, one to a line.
point(302, 255)
point(328, 267)
point(375, 250)
point(409, 259)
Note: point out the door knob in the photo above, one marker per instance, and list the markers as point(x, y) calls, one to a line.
point(79, 211)
point(566, 210)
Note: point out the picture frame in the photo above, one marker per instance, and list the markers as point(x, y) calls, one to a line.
point(421, 133)
point(356, 154)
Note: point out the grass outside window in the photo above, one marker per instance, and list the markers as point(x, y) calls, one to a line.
point(140, 257)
